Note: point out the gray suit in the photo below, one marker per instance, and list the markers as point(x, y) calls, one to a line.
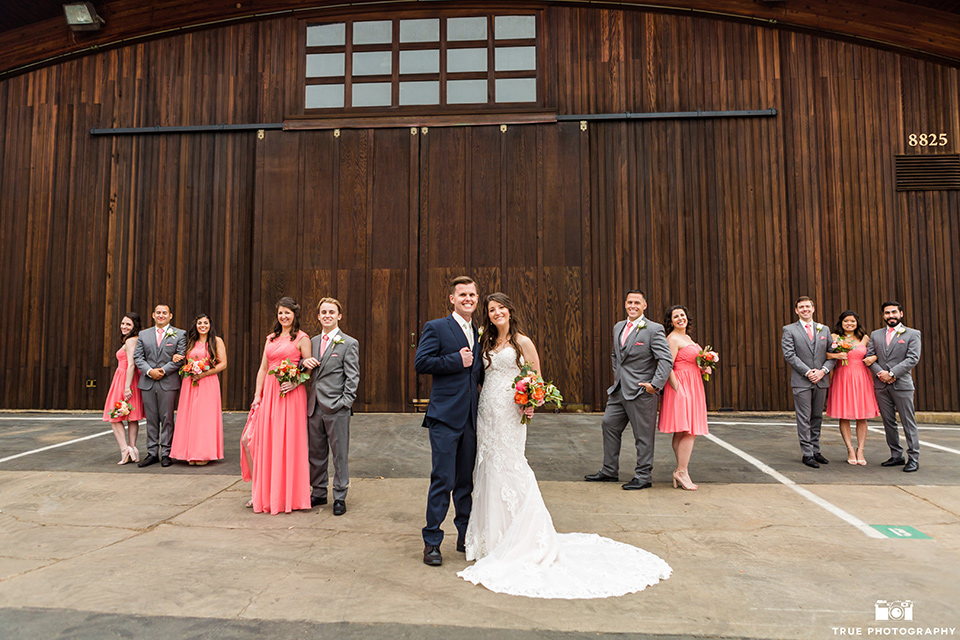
point(804, 354)
point(899, 357)
point(644, 357)
point(330, 395)
point(159, 396)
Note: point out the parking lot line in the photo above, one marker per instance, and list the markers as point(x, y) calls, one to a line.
point(866, 529)
point(54, 446)
point(923, 443)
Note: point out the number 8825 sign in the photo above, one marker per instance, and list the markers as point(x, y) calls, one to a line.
point(927, 140)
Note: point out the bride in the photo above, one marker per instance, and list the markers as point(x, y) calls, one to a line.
point(510, 532)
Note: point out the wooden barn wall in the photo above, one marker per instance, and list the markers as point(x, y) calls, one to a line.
point(732, 217)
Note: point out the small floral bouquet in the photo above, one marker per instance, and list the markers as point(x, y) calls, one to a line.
point(707, 360)
point(194, 367)
point(843, 345)
point(121, 409)
point(532, 391)
point(286, 371)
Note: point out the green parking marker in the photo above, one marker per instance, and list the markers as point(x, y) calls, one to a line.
point(900, 531)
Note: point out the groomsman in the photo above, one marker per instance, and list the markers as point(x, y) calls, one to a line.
point(804, 345)
point(897, 348)
point(159, 384)
point(641, 365)
point(334, 378)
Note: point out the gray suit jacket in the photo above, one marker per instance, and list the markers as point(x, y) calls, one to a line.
point(333, 383)
point(645, 357)
point(900, 357)
point(147, 355)
point(802, 354)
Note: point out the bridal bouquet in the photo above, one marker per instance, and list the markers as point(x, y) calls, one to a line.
point(194, 367)
point(843, 345)
point(532, 391)
point(707, 360)
point(121, 409)
point(286, 371)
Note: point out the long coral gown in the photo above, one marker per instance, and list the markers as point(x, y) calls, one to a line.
point(278, 439)
point(851, 395)
point(115, 393)
point(685, 409)
point(199, 431)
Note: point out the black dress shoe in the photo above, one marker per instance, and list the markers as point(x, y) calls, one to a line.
point(892, 462)
point(636, 484)
point(431, 555)
point(911, 466)
point(149, 460)
point(316, 502)
point(819, 458)
point(339, 507)
point(600, 476)
point(461, 545)
point(165, 461)
point(810, 461)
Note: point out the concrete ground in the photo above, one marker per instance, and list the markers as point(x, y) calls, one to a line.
point(767, 548)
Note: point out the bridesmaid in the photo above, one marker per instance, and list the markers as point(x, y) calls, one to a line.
point(274, 442)
point(684, 409)
point(198, 437)
point(851, 394)
point(124, 387)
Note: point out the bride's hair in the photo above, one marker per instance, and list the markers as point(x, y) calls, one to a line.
point(668, 318)
point(490, 332)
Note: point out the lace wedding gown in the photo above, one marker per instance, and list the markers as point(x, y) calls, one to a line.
point(511, 533)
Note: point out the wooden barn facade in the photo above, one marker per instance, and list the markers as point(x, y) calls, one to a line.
point(728, 156)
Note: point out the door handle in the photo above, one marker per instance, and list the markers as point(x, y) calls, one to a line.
point(413, 340)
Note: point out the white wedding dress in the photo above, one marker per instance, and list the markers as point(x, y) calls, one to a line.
point(511, 533)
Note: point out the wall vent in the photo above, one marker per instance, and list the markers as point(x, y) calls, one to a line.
point(928, 172)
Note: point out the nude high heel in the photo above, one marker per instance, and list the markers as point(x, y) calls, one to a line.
point(134, 454)
point(126, 456)
point(684, 480)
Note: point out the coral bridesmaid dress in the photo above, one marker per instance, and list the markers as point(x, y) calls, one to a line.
point(115, 394)
point(851, 395)
point(278, 439)
point(199, 431)
point(686, 409)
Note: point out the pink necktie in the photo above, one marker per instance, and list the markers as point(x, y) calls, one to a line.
point(810, 332)
point(323, 345)
point(890, 331)
point(626, 332)
point(160, 336)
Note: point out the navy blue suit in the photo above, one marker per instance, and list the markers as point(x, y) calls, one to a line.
point(452, 420)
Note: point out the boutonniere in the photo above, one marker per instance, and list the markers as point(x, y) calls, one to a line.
point(642, 325)
point(819, 327)
point(170, 333)
point(338, 340)
point(901, 330)
point(479, 332)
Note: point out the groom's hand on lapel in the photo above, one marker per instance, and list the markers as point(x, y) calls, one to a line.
point(467, 356)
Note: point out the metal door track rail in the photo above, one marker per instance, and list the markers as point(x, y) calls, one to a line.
point(201, 128)
point(670, 115)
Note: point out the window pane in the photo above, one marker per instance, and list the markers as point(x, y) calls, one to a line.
point(420, 30)
point(514, 27)
point(326, 35)
point(372, 63)
point(324, 65)
point(420, 92)
point(324, 96)
point(378, 32)
point(466, 60)
point(466, 91)
point(515, 58)
point(466, 29)
point(426, 61)
point(517, 90)
point(371, 94)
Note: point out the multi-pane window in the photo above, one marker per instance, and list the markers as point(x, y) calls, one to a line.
point(482, 62)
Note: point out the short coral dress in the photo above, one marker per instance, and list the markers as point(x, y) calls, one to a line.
point(115, 394)
point(685, 409)
point(851, 395)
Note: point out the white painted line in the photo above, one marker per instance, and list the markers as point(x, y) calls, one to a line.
point(51, 419)
point(54, 446)
point(922, 442)
point(827, 423)
point(866, 529)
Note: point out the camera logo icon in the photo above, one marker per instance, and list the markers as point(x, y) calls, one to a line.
point(894, 610)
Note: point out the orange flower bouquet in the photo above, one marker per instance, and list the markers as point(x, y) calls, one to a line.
point(532, 391)
point(121, 409)
point(843, 345)
point(707, 361)
point(194, 367)
point(286, 371)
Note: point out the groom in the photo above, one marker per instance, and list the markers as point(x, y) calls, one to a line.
point(159, 384)
point(449, 351)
